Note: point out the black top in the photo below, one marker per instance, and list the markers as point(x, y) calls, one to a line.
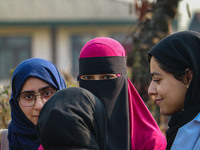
point(73, 118)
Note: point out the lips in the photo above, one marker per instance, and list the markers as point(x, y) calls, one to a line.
point(35, 115)
point(157, 101)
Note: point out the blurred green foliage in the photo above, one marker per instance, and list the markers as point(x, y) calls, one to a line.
point(4, 106)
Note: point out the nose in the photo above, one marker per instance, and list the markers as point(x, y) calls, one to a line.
point(38, 102)
point(97, 77)
point(152, 89)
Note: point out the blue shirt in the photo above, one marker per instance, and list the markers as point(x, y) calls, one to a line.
point(188, 136)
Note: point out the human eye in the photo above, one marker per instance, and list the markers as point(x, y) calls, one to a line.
point(28, 96)
point(47, 93)
point(86, 77)
point(107, 77)
point(156, 80)
point(156, 77)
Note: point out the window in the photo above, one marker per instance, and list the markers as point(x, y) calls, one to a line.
point(13, 50)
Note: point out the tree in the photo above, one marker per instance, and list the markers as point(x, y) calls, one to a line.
point(154, 23)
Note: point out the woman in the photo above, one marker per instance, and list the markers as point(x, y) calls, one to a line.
point(175, 70)
point(34, 81)
point(73, 119)
point(102, 70)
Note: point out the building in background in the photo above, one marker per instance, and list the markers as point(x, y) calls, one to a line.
point(57, 29)
point(188, 15)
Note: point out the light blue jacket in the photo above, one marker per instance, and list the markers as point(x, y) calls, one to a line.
point(188, 136)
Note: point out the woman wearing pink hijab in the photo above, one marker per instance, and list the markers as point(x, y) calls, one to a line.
point(102, 70)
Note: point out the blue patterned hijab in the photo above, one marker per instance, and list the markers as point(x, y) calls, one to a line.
point(22, 134)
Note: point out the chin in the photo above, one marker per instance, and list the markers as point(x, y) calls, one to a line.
point(34, 121)
point(164, 113)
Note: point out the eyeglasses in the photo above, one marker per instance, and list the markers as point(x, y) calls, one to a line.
point(28, 99)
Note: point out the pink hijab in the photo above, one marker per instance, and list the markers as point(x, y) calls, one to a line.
point(144, 131)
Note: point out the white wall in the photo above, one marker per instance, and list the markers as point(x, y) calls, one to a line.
point(41, 43)
point(183, 18)
point(64, 58)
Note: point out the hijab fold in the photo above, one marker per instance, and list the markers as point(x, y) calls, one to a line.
point(21, 131)
point(180, 51)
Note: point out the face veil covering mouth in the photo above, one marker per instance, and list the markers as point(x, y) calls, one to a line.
point(130, 124)
point(21, 131)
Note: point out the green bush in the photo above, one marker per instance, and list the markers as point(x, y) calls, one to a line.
point(4, 106)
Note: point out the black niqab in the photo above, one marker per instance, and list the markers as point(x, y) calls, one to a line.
point(113, 94)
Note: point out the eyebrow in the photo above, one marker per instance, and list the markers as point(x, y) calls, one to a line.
point(155, 74)
point(46, 87)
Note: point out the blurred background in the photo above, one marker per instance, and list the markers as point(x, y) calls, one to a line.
point(56, 30)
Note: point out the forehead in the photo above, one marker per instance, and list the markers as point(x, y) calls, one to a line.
point(154, 65)
point(33, 84)
point(156, 70)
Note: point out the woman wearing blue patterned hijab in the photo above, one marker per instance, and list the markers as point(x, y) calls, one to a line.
point(34, 81)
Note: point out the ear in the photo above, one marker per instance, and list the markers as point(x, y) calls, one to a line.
point(188, 76)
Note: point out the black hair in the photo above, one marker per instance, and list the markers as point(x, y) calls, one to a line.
point(178, 75)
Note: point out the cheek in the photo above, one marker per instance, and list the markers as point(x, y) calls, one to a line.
point(27, 111)
point(174, 98)
point(179, 97)
point(167, 88)
point(163, 89)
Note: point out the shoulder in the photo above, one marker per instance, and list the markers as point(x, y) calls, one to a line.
point(192, 130)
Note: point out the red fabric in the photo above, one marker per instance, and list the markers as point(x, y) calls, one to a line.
point(145, 133)
point(107, 47)
point(40, 148)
